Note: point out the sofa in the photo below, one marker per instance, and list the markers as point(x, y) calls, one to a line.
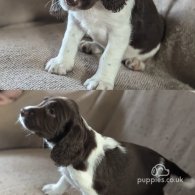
point(29, 37)
point(163, 121)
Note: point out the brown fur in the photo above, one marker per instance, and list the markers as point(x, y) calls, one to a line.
point(59, 121)
point(112, 5)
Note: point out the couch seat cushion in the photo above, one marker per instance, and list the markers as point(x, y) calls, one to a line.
point(24, 172)
point(25, 48)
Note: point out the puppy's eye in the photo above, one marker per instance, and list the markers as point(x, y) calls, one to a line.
point(51, 112)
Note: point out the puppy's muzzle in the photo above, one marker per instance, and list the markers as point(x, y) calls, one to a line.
point(27, 112)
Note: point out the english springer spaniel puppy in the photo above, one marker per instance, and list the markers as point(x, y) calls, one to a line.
point(90, 162)
point(128, 31)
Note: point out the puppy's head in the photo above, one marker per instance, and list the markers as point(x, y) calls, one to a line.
point(51, 118)
point(57, 119)
point(58, 5)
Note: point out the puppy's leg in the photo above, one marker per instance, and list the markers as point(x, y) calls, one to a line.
point(110, 61)
point(64, 62)
point(134, 59)
point(56, 189)
point(134, 64)
point(90, 47)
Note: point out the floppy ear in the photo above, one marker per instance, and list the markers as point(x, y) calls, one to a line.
point(74, 106)
point(70, 149)
point(56, 9)
point(114, 5)
point(77, 143)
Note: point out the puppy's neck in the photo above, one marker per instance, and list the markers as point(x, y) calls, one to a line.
point(53, 141)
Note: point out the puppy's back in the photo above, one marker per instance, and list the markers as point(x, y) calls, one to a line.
point(118, 172)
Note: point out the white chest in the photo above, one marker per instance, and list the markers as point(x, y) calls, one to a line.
point(99, 22)
point(70, 177)
point(80, 180)
point(94, 24)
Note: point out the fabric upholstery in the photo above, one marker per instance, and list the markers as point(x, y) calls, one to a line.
point(26, 171)
point(11, 133)
point(177, 52)
point(161, 120)
point(14, 12)
point(25, 47)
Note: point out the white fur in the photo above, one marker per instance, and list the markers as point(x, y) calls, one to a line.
point(135, 53)
point(50, 145)
point(21, 120)
point(64, 62)
point(57, 189)
point(189, 183)
point(112, 31)
point(83, 180)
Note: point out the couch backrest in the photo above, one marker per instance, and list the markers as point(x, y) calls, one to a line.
point(16, 11)
point(177, 52)
point(12, 135)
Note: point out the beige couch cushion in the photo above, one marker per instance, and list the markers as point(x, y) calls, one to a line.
point(177, 52)
point(12, 12)
point(25, 48)
point(24, 172)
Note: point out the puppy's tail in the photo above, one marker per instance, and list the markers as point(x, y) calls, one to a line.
point(188, 181)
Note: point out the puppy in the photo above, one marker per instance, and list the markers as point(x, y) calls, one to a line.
point(92, 163)
point(128, 31)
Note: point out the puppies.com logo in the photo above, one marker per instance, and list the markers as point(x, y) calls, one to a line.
point(160, 170)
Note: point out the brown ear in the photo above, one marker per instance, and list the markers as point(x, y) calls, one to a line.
point(56, 9)
point(70, 149)
point(114, 5)
point(74, 106)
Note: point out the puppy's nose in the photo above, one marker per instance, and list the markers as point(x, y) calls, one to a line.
point(72, 2)
point(26, 112)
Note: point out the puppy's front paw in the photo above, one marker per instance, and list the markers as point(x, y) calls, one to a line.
point(56, 66)
point(51, 189)
point(95, 83)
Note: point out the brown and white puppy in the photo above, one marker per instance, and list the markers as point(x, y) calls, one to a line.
point(90, 162)
point(128, 31)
